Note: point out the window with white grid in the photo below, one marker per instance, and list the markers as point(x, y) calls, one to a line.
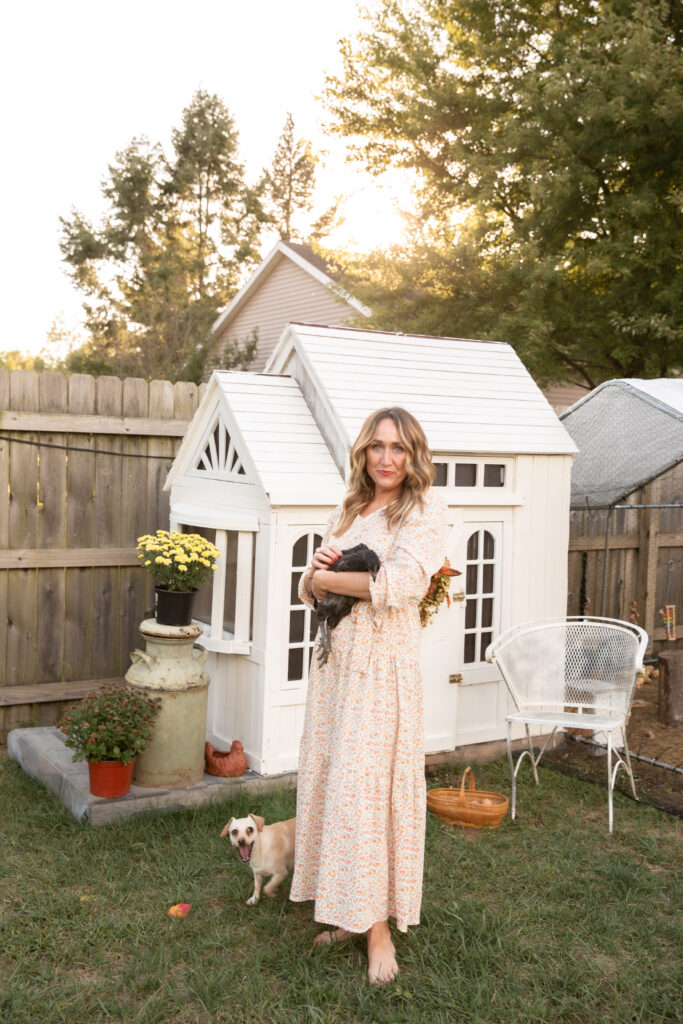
point(481, 590)
point(303, 622)
point(457, 471)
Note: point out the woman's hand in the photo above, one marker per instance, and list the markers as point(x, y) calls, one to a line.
point(318, 590)
point(324, 557)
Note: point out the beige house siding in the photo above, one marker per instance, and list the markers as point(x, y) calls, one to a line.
point(561, 396)
point(287, 293)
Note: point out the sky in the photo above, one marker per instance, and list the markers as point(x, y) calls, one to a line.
point(81, 79)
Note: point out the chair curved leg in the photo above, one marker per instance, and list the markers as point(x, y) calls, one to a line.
point(629, 769)
point(513, 774)
point(610, 779)
point(531, 753)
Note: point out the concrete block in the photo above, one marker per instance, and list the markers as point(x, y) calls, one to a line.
point(42, 754)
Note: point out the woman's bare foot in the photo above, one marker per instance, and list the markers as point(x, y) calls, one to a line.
point(382, 966)
point(327, 938)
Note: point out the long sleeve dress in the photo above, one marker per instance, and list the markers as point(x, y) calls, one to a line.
point(361, 784)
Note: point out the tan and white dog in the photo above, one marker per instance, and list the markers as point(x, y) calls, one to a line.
point(268, 849)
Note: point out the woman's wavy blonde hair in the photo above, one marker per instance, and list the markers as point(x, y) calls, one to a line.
point(418, 465)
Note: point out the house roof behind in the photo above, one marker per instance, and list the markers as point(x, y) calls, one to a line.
point(312, 257)
point(301, 255)
point(470, 396)
point(288, 451)
point(628, 433)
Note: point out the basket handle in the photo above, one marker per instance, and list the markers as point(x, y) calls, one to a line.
point(472, 788)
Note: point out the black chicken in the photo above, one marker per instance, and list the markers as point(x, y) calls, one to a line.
point(332, 609)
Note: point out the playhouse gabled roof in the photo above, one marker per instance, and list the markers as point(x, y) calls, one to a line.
point(275, 437)
point(628, 432)
point(470, 396)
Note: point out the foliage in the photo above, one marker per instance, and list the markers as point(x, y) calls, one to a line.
point(16, 360)
point(177, 561)
point(169, 253)
point(113, 725)
point(546, 140)
point(290, 182)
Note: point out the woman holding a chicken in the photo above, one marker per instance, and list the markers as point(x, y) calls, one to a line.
point(361, 784)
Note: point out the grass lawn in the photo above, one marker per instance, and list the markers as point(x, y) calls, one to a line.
point(547, 920)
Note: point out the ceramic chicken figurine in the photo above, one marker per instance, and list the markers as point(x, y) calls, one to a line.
point(225, 763)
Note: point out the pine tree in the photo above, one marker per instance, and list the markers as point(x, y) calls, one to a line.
point(290, 182)
point(169, 253)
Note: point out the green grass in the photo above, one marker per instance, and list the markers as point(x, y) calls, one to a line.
point(547, 920)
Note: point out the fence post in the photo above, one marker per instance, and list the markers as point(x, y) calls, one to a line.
point(647, 557)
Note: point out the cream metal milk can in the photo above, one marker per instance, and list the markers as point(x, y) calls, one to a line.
point(170, 669)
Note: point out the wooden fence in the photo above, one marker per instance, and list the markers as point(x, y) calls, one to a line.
point(82, 467)
point(645, 561)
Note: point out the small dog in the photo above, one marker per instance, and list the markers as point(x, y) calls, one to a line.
point(269, 850)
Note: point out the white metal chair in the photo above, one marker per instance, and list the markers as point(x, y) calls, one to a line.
point(577, 672)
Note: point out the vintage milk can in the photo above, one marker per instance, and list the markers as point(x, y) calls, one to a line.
point(171, 669)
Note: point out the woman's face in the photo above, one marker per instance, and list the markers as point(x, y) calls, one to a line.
point(385, 460)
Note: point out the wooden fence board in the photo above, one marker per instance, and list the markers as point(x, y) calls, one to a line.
point(60, 422)
point(22, 602)
point(80, 534)
point(22, 586)
point(78, 624)
point(82, 395)
point(24, 391)
point(50, 625)
point(135, 397)
point(162, 405)
point(105, 614)
point(132, 612)
point(108, 531)
point(51, 502)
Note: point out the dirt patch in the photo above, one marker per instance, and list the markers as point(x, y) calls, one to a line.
point(646, 736)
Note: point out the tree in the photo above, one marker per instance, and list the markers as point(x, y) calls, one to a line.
point(290, 182)
point(546, 137)
point(169, 253)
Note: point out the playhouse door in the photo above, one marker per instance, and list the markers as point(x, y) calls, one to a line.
point(483, 554)
point(441, 655)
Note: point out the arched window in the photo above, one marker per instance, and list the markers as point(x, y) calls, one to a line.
point(303, 622)
point(481, 583)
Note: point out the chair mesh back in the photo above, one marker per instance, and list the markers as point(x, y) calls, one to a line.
point(565, 664)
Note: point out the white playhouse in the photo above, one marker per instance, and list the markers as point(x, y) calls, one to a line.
point(262, 466)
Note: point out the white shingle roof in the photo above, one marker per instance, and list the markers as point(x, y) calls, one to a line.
point(469, 396)
point(286, 448)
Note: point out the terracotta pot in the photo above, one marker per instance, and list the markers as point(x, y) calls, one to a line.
point(110, 778)
point(174, 607)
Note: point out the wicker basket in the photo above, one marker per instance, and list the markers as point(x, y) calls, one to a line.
point(477, 808)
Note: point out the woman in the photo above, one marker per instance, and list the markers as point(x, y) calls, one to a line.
point(361, 784)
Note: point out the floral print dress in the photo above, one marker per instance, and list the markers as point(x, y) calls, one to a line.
point(361, 782)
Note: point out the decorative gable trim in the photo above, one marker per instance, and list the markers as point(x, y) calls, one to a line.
point(219, 458)
point(213, 447)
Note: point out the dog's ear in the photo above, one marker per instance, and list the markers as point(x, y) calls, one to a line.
point(259, 822)
point(227, 828)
